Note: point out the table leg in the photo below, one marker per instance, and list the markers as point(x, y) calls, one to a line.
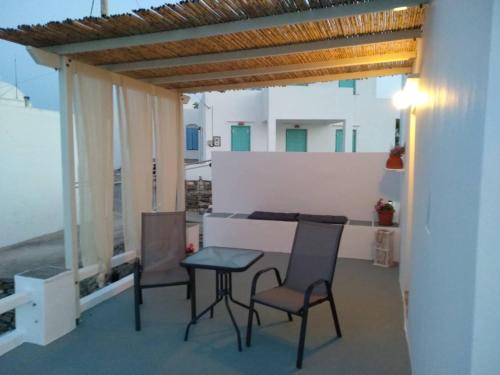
point(192, 287)
point(223, 284)
point(234, 322)
point(238, 302)
point(219, 296)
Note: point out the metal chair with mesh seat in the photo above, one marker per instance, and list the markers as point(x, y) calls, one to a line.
point(163, 247)
point(308, 279)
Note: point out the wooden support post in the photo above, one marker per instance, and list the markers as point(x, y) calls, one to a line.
point(68, 173)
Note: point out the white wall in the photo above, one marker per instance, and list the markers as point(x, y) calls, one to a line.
point(454, 303)
point(230, 108)
point(320, 136)
point(371, 113)
point(374, 117)
point(314, 183)
point(485, 359)
point(30, 174)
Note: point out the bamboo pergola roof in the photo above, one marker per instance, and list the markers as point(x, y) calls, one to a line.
point(206, 45)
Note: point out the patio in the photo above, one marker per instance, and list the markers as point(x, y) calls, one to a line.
point(137, 66)
point(368, 301)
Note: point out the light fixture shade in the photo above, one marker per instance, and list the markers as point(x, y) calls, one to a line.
point(400, 100)
point(410, 95)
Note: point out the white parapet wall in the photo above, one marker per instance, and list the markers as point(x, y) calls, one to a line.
point(30, 173)
point(308, 183)
point(311, 183)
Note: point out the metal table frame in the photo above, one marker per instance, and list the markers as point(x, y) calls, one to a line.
point(223, 290)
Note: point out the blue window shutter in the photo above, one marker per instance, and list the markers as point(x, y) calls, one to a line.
point(349, 84)
point(192, 139)
point(195, 139)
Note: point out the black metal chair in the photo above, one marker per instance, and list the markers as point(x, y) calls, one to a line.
point(163, 247)
point(308, 279)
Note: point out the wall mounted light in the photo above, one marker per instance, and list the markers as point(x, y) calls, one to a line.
point(410, 95)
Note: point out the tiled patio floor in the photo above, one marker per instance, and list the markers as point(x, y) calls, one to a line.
point(368, 301)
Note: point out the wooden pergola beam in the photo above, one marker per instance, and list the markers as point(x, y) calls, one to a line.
point(304, 80)
point(258, 23)
point(338, 63)
point(45, 58)
point(215, 58)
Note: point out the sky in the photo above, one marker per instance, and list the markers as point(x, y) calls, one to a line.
point(39, 82)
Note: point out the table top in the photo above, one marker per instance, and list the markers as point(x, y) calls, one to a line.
point(223, 259)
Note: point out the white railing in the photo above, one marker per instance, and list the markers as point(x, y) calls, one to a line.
point(110, 290)
point(12, 339)
point(117, 260)
point(106, 293)
point(13, 301)
point(198, 164)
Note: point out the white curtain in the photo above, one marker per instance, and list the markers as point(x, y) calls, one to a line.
point(169, 150)
point(94, 134)
point(135, 114)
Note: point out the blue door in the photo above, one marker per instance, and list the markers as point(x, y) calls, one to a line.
point(240, 138)
point(339, 140)
point(354, 140)
point(296, 140)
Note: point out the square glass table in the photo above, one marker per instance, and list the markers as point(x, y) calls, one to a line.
point(224, 261)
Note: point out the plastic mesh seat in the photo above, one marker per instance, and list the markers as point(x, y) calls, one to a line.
point(163, 247)
point(308, 279)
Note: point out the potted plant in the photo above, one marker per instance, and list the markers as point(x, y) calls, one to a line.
point(385, 212)
point(395, 161)
point(190, 249)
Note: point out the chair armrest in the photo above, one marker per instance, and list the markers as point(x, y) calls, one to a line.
point(261, 272)
point(310, 289)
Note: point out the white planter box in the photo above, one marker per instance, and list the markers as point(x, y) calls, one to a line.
point(52, 312)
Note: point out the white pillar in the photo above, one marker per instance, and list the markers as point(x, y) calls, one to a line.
point(104, 8)
point(68, 173)
point(271, 135)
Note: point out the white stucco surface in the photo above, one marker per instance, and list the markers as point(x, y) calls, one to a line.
point(373, 117)
point(314, 183)
point(454, 301)
point(30, 173)
point(269, 112)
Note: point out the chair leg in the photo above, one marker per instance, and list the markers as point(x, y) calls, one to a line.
point(303, 328)
point(250, 323)
point(137, 302)
point(140, 296)
point(188, 292)
point(335, 316)
point(290, 317)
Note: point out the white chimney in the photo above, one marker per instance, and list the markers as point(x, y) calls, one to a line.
point(27, 102)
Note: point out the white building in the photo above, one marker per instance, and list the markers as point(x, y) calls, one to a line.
point(320, 117)
point(30, 169)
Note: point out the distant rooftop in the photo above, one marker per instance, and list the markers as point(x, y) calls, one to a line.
point(10, 95)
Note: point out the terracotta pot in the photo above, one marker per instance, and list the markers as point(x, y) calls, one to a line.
point(385, 218)
point(394, 162)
